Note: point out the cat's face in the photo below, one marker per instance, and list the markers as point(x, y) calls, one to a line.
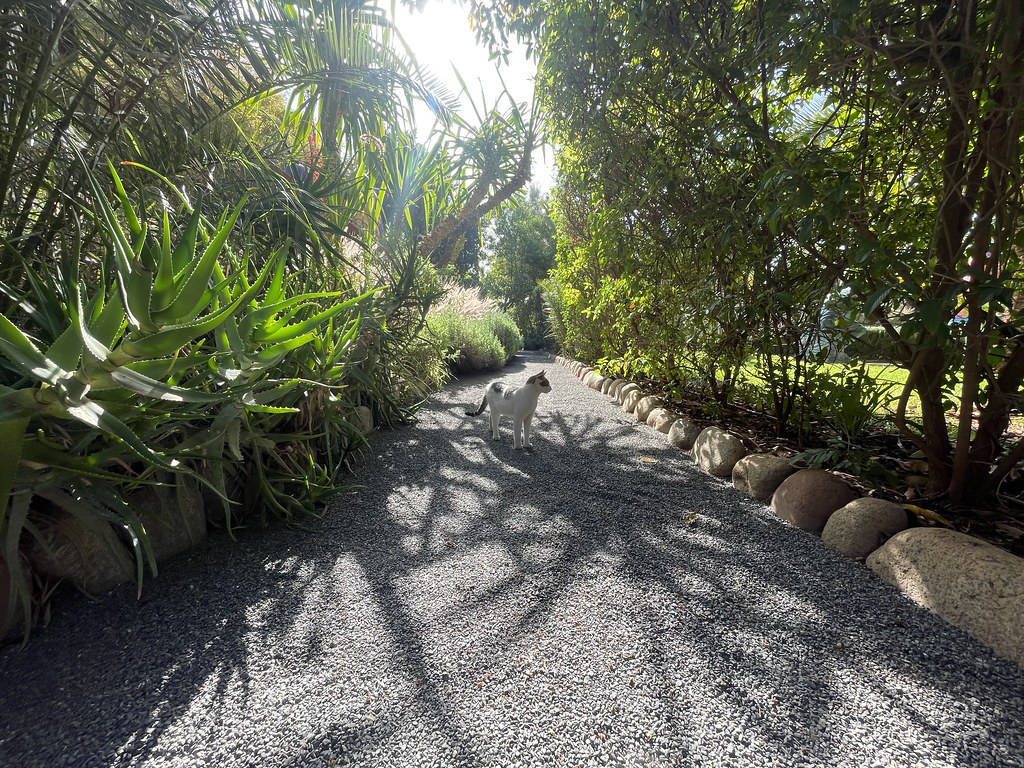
point(540, 380)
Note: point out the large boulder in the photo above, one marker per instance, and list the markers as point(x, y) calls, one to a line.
point(630, 401)
point(625, 389)
point(717, 451)
point(174, 517)
point(863, 525)
point(759, 474)
point(661, 420)
point(644, 407)
point(968, 582)
point(808, 498)
point(683, 433)
point(85, 551)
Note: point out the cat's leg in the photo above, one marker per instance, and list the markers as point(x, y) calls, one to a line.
point(526, 431)
point(517, 433)
point(495, 419)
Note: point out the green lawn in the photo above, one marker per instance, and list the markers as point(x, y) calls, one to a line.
point(883, 373)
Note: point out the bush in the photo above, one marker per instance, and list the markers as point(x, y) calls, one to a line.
point(506, 331)
point(472, 344)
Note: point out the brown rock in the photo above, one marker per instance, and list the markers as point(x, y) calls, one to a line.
point(683, 433)
point(174, 517)
point(863, 525)
point(364, 419)
point(625, 389)
point(85, 552)
point(759, 474)
point(807, 499)
point(717, 451)
point(968, 582)
point(661, 420)
point(629, 402)
point(645, 406)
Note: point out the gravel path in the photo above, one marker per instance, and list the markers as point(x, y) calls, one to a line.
point(474, 605)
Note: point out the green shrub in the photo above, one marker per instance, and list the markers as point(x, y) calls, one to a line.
point(506, 331)
point(469, 344)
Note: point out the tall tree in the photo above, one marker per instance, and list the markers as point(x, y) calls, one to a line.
point(520, 252)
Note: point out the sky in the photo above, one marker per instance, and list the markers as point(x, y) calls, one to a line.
point(440, 37)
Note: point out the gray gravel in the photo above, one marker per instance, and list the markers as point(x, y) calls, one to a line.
point(475, 605)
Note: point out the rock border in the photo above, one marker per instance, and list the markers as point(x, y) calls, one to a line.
point(873, 544)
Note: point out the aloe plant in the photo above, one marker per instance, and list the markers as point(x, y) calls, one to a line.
point(168, 365)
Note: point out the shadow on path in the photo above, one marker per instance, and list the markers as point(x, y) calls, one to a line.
point(442, 602)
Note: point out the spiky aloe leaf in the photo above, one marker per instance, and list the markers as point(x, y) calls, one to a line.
point(38, 455)
point(148, 387)
point(130, 282)
point(302, 327)
point(265, 314)
point(92, 414)
point(190, 291)
point(10, 531)
point(170, 340)
point(19, 349)
point(66, 349)
point(185, 251)
point(163, 283)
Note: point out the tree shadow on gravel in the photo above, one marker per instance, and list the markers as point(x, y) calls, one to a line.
point(492, 532)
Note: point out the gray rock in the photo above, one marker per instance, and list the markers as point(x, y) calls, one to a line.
point(968, 582)
point(617, 385)
point(759, 474)
point(683, 433)
point(661, 420)
point(607, 385)
point(644, 407)
point(808, 498)
point(717, 451)
point(863, 525)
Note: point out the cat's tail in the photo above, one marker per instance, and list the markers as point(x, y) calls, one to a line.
point(481, 409)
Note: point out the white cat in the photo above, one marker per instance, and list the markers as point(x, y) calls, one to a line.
point(517, 402)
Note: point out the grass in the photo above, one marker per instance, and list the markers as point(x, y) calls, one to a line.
point(896, 378)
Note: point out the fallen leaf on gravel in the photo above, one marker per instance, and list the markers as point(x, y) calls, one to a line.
point(648, 460)
point(629, 655)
